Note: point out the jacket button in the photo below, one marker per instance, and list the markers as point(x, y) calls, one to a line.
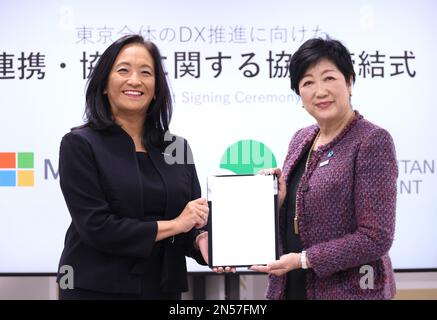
point(305, 188)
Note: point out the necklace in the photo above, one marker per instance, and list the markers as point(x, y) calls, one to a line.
point(311, 150)
point(295, 220)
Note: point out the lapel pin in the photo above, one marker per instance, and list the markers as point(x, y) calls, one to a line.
point(324, 163)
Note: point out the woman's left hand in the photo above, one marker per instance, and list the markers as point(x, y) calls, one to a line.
point(202, 243)
point(287, 262)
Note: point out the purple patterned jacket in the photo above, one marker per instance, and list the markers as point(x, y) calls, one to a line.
point(346, 212)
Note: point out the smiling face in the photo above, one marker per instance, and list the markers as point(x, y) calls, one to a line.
point(325, 92)
point(131, 82)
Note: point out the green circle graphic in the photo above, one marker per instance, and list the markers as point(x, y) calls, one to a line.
point(247, 157)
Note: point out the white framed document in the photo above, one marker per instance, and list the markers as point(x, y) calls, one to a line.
point(243, 220)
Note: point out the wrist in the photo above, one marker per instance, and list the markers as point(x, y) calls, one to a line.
point(173, 225)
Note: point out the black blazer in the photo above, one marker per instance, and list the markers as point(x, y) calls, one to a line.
point(109, 239)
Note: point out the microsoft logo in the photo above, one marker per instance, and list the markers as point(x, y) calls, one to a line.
point(16, 169)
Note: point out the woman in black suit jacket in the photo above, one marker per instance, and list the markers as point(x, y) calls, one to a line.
point(131, 187)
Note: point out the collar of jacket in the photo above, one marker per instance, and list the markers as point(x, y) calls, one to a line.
point(340, 136)
point(305, 139)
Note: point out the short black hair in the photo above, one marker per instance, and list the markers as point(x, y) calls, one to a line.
point(98, 113)
point(312, 51)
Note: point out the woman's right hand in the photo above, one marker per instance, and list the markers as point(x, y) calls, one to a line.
point(195, 214)
point(282, 188)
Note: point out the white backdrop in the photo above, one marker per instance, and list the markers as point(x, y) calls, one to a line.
point(43, 46)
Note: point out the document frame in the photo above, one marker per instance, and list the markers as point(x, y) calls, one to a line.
point(243, 220)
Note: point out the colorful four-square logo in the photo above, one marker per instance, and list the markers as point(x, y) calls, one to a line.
point(17, 169)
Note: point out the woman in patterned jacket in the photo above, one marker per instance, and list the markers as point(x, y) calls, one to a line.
point(337, 190)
